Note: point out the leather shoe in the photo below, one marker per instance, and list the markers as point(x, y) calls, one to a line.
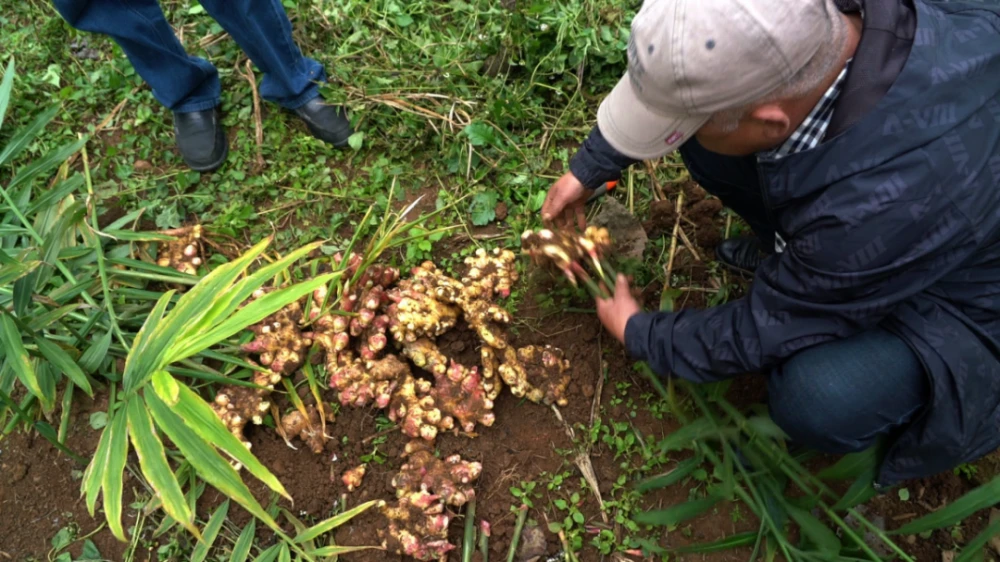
point(743, 254)
point(326, 122)
point(201, 139)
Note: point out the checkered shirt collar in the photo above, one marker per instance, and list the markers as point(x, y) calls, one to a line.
point(811, 132)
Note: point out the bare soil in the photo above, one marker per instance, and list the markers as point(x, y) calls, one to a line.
point(40, 487)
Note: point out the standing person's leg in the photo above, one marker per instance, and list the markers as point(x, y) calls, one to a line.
point(186, 85)
point(263, 31)
point(839, 397)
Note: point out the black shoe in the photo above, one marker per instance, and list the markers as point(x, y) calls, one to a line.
point(201, 139)
point(743, 255)
point(326, 122)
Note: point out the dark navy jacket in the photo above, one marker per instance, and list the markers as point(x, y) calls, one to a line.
point(894, 221)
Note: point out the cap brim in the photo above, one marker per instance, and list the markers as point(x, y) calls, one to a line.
point(638, 132)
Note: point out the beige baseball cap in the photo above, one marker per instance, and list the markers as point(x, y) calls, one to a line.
point(688, 59)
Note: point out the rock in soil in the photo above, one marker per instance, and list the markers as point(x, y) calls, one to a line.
point(627, 232)
point(533, 544)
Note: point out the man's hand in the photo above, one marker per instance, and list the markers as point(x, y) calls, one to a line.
point(565, 202)
point(616, 311)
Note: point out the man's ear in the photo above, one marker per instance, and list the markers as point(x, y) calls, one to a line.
point(772, 120)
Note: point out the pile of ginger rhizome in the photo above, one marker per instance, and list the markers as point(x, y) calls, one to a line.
point(375, 332)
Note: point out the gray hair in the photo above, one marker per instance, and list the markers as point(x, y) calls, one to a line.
point(805, 80)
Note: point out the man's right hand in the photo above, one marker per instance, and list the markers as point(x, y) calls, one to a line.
point(565, 202)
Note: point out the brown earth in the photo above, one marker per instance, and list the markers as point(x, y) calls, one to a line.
point(39, 488)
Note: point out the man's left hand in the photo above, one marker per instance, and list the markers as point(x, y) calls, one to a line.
point(616, 311)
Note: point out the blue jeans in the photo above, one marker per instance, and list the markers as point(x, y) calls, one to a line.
point(185, 83)
point(839, 397)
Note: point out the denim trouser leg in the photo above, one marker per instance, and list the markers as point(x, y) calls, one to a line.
point(180, 82)
point(262, 30)
point(186, 83)
point(839, 397)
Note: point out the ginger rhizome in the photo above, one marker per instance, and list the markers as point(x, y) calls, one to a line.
point(540, 374)
point(579, 257)
point(184, 253)
point(237, 405)
point(376, 336)
point(306, 426)
point(425, 487)
point(352, 478)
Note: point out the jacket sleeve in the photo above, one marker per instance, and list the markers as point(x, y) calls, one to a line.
point(835, 279)
point(597, 162)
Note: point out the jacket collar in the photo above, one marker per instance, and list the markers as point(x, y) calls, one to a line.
point(886, 38)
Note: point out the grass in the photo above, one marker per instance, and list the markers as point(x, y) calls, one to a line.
point(475, 105)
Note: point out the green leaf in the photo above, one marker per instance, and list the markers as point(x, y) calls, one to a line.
point(765, 426)
point(284, 555)
point(241, 550)
point(211, 532)
point(727, 543)
point(137, 363)
point(243, 289)
point(114, 472)
point(92, 358)
point(44, 164)
point(90, 552)
point(980, 498)
point(356, 140)
point(483, 207)
point(12, 272)
point(667, 299)
point(851, 465)
point(198, 416)
point(17, 358)
point(248, 315)
point(904, 494)
point(63, 362)
point(677, 514)
point(62, 539)
point(479, 134)
point(269, 555)
point(334, 522)
point(166, 387)
point(153, 462)
point(205, 460)
point(93, 476)
point(5, 88)
point(98, 420)
point(818, 533)
point(335, 550)
point(24, 136)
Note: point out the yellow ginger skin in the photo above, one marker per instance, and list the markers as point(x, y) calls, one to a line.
point(183, 254)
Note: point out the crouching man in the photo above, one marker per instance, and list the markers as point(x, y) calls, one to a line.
point(860, 140)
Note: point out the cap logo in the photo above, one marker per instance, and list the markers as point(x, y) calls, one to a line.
point(674, 137)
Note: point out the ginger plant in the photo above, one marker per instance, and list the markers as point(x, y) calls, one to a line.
point(579, 257)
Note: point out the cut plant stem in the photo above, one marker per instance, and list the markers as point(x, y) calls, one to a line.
point(484, 541)
point(518, 526)
point(594, 289)
point(469, 540)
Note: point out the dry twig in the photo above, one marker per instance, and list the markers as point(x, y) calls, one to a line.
point(258, 125)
